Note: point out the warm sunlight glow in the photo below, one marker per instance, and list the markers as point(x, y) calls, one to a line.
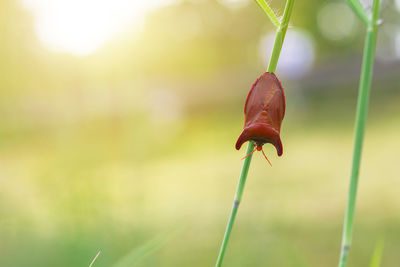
point(83, 26)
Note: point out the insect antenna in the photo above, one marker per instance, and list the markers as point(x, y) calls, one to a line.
point(265, 157)
point(249, 153)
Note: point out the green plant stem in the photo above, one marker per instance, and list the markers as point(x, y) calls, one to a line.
point(361, 117)
point(359, 10)
point(269, 12)
point(236, 203)
point(280, 36)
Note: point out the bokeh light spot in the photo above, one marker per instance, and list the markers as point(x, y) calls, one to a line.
point(234, 4)
point(297, 55)
point(336, 21)
point(81, 27)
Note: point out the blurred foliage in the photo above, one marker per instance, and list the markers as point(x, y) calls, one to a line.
point(107, 151)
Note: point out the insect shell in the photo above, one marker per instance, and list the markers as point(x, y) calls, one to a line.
point(264, 111)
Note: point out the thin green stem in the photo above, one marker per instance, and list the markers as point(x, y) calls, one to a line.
point(236, 203)
point(361, 117)
point(269, 12)
point(359, 10)
point(280, 36)
point(95, 258)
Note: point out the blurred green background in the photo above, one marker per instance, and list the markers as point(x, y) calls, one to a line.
point(118, 121)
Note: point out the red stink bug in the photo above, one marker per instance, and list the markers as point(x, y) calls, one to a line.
point(264, 111)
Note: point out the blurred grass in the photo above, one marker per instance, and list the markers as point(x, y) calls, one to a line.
point(378, 252)
point(90, 161)
point(68, 191)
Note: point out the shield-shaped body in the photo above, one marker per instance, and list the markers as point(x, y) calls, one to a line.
point(264, 111)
